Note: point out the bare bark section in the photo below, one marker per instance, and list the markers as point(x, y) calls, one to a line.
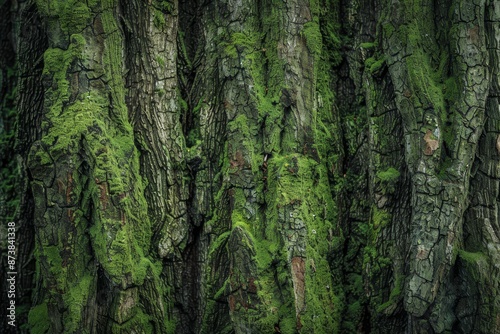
point(154, 111)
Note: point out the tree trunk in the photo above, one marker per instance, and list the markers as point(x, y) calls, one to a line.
point(252, 167)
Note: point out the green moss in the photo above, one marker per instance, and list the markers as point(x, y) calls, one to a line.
point(476, 263)
point(389, 175)
point(242, 125)
point(165, 6)
point(388, 179)
point(428, 65)
point(388, 29)
point(444, 172)
point(425, 81)
point(161, 61)
point(221, 241)
point(368, 46)
point(394, 297)
point(374, 65)
point(313, 37)
point(376, 263)
point(297, 173)
point(293, 180)
point(325, 125)
point(324, 306)
point(380, 218)
point(171, 326)
point(76, 299)
point(122, 255)
point(301, 183)
point(139, 323)
point(354, 310)
point(71, 16)
point(38, 319)
point(159, 19)
point(54, 260)
point(474, 258)
point(330, 31)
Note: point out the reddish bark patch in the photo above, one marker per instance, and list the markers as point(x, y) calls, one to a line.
point(473, 35)
point(430, 144)
point(252, 288)
point(103, 195)
point(422, 253)
point(123, 218)
point(299, 323)
point(232, 302)
point(298, 278)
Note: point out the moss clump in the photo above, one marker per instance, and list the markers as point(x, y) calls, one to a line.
point(426, 82)
point(38, 319)
point(388, 179)
point(241, 43)
point(314, 39)
point(76, 299)
point(380, 218)
point(166, 6)
point(476, 264)
point(428, 66)
point(389, 175)
point(472, 257)
point(69, 16)
point(369, 45)
point(374, 65)
point(159, 20)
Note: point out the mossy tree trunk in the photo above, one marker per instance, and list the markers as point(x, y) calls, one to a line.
point(253, 166)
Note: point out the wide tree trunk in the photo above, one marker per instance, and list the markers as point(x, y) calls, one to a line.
point(252, 166)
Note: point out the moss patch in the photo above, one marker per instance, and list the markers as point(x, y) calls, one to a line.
point(38, 319)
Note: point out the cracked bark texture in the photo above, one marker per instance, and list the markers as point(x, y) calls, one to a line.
point(252, 166)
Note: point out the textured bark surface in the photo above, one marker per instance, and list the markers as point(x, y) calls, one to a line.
point(268, 166)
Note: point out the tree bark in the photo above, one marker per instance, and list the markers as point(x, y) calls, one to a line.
point(252, 166)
